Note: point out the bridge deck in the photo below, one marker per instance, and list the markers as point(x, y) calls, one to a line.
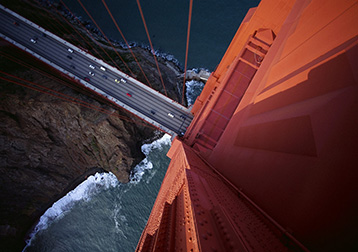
point(129, 93)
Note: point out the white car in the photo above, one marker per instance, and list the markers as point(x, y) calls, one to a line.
point(170, 115)
point(102, 68)
point(70, 50)
point(33, 40)
point(91, 73)
point(92, 66)
point(123, 80)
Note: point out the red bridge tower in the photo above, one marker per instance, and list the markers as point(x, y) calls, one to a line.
point(270, 161)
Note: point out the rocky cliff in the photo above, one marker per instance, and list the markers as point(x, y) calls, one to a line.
point(49, 145)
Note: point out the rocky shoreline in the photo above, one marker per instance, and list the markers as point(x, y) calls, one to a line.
point(49, 146)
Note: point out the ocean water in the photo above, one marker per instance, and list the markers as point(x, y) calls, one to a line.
point(102, 214)
point(193, 90)
point(213, 25)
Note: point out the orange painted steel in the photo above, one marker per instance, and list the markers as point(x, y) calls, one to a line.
point(187, 48)
point(98, 55)
point(109, 42)
point(151, 46)
point(122, 35)
point(276, 170)
point(42, 89)
point(83, 39)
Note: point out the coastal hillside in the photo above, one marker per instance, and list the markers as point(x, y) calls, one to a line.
point(50, 144)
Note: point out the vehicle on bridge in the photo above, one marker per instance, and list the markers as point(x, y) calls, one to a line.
point(121, 80)
point(74, 61)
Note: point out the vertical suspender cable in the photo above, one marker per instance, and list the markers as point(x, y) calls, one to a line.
point(93, 39)
point(114, 21)
point(151, 46)
point(187, 47)
point(61, 25)
point(84, 8)
point(49, 91)
point(76, 30)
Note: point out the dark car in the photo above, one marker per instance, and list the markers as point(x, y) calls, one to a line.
point(68, 56)
point(34, 40)
point(153, 112)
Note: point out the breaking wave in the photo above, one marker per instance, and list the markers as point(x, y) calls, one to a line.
point(95, 184)
point(146, 164)
point(193, 90)
point(84, 191)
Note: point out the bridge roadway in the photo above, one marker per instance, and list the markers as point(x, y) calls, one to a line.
point(126, 92)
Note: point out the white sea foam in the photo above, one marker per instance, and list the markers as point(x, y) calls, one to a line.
point(158, 144)
point(119, 220)
point(145, 164)
point(193, 90)
point(92, 185)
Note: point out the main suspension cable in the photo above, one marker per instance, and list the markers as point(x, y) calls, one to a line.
point(88, 105)
point(151, 46)
point(49, 75)
point(66, 97)
point(114, 21)
point(104, 35)
point(57, 79)
point(187, 48)
point(58, 22)
point(78, 33)
point(93, 39)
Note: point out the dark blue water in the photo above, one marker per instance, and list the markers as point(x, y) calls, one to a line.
point(213, 25)
point(101, 214)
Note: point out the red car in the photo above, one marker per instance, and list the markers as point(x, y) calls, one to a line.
point(128, 94)
point(87, 79)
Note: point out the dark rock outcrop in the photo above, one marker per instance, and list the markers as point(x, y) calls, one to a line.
point(48, 146)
